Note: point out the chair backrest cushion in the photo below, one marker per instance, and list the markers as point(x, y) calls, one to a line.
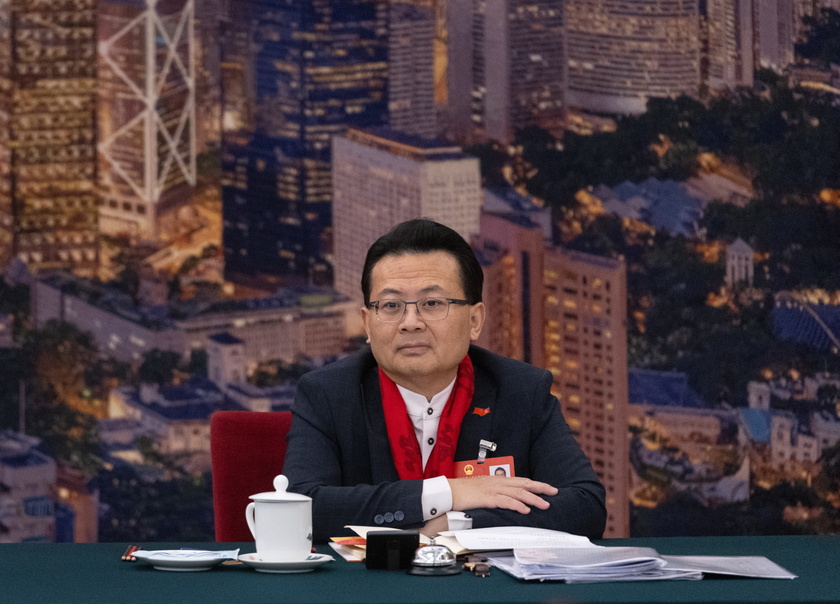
point(247, 449)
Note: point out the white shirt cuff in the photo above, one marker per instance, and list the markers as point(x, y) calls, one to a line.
point(458, 521)
point(436, 498)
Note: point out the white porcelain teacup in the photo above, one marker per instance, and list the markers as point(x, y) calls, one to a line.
point(281, 523)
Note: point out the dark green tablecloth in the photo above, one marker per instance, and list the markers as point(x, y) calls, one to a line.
point(94, 573)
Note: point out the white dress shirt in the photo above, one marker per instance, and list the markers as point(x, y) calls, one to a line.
point(425, 417)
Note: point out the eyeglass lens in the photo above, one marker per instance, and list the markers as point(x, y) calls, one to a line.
point(430, 309)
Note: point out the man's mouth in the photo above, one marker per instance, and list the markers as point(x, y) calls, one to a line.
point(412, 348)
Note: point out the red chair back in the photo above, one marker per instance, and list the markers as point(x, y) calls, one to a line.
point(247, 449)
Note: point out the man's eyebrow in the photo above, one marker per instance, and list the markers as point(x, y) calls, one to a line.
point(389, 291)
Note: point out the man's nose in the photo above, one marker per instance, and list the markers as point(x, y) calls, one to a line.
point(411, 318)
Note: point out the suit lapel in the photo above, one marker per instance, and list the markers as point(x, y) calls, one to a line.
point(478, 422)
point(381, 460)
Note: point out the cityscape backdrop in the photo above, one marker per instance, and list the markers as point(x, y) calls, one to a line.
point(188, 188)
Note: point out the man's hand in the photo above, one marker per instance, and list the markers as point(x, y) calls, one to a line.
point(510, 493)
point(436, 525)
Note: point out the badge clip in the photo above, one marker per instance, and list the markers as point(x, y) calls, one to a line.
point(483, 447)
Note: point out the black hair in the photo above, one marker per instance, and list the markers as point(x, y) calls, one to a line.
point(421, 236)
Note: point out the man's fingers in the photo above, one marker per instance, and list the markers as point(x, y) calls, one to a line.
point(518, 494)
point(534, 486)
point(527, 497)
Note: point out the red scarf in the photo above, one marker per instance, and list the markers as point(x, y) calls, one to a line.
point(404, 446)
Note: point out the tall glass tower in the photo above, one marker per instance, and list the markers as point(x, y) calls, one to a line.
point(295, 72)
point(48, 211)
point(146, 114)
point(506, 67)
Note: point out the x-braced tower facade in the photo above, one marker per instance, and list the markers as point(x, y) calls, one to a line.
point(146, 114)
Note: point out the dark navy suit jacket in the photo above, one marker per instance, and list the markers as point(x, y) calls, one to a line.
point(338, 451)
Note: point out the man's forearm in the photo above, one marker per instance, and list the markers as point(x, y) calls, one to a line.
point(575, 510)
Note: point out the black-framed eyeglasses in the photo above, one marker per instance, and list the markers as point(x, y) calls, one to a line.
point(429, 309)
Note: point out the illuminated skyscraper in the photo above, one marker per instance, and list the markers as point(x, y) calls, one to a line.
point(586, 350)
point(623, 52)
point(775, 25)
point(506, 66)
point(512, 250)
point(208, 102)
point(48, 210)
point(146, 114)
point(304, 70)
point(728, 29)
point(565, 311)
point(411, 69)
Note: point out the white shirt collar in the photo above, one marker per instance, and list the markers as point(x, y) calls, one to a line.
point(425, 423)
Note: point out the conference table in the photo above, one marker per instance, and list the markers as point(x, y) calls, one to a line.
point(90, 573)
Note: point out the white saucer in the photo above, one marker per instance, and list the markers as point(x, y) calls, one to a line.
point(309, 564)
point(181, 560)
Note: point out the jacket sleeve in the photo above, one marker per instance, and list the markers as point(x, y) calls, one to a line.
point(328, 459)
point(552, 456)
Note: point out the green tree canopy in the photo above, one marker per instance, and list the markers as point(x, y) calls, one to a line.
point(61, 354)
point(68, 434)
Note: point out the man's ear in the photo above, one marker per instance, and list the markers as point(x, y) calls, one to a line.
point(478, 313)
point(365, 318)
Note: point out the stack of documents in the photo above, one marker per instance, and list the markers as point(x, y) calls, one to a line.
point(599, 564)
point(590, 564)
point(544, 555)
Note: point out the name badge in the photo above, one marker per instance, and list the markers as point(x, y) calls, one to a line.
point(491, 466)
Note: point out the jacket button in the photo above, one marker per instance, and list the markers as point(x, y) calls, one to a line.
point(389, 517)
point(379, 519)
point(399, 516)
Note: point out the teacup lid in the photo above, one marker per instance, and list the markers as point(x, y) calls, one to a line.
point(281, 483)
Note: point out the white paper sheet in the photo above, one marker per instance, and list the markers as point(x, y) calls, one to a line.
point(742, 566)
point(510, 537)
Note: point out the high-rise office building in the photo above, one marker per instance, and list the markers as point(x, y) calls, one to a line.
point(411, 69)
point(620, 53)
point(146, 114)
point(236, 73)
point(304, 70)
point(567, 313)
point(728, 43)
point(506, 67)
point(775, 31)
point(511, 249)
point(586, 350)
point(381, 178)
point(208, 52)
point(48, 210)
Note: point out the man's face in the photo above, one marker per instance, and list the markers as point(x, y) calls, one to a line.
point(420, 355)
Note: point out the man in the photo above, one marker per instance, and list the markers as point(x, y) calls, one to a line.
point(375, 436)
